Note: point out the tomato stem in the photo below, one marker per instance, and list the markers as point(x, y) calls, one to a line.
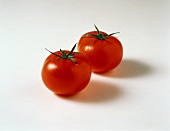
point(99, 34)
point(65, 55)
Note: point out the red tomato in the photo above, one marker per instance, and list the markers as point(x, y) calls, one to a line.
point(104, 51)
point(66, 72)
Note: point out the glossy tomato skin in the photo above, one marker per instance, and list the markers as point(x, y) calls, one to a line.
point(63, 76)
point(104, 55)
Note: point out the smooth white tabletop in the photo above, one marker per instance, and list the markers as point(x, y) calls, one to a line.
point(133, 97)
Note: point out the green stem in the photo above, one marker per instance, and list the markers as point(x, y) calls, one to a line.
point(68, 56)
point(100, 36)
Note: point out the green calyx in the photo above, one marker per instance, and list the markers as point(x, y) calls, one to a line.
point(100, 36)
point(69, 56)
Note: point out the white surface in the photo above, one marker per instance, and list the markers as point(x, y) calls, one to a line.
point(133, 97)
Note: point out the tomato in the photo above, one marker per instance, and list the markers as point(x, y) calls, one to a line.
point(104, 51)
point(66, 72)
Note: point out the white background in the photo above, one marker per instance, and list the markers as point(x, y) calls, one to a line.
point(133, 97)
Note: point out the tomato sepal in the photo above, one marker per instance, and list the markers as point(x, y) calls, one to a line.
point(100, 36)
point(69, 56)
